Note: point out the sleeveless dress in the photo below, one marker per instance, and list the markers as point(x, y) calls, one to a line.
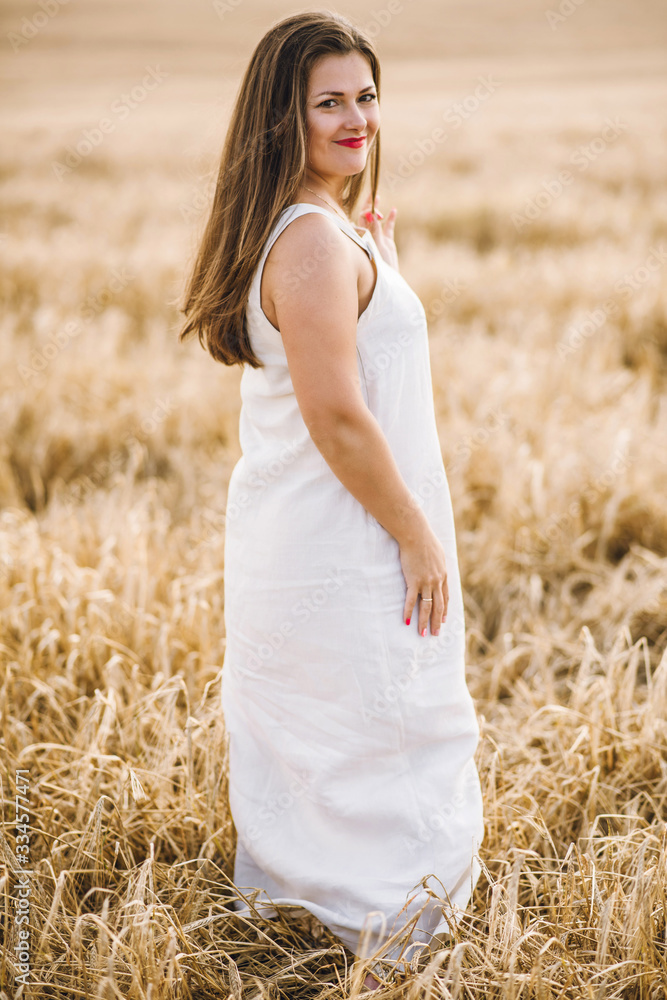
point(352, 783)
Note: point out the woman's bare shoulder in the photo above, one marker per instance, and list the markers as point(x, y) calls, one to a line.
point(310, 234)
point(307, 266)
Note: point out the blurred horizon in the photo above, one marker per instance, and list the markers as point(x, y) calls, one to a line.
point(61, 70)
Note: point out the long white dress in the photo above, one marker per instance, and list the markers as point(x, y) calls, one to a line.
point(352, 783)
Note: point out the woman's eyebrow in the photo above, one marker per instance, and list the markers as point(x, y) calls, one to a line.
point(340, 93)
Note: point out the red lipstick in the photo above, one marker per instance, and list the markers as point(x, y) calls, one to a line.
point(353, 143)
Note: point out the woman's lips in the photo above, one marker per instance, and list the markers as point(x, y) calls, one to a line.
point(354, 143)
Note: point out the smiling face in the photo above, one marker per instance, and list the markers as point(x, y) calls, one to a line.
point(342, 104)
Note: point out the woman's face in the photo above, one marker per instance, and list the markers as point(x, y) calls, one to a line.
point(342, 104)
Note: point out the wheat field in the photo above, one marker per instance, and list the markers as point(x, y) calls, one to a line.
point(525, 146)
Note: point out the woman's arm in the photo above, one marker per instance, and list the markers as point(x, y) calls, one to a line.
point(317, 318)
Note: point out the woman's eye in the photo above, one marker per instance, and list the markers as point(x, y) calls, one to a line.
point(329, 100)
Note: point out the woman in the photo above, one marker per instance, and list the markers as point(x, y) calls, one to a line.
point(352, 731)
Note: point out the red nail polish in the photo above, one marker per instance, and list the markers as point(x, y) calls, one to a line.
point(424, 631)
point(407, 621)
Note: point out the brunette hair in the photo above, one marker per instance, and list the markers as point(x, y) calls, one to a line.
point(263, 163)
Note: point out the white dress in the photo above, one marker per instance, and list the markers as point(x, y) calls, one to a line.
point(352, 776)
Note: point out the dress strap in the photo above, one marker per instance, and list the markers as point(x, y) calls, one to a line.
point(302, 207)
point(288, 214)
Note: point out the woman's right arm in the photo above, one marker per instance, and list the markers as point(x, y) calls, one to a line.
point(317, 318)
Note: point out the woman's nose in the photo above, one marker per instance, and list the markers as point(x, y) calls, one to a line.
point(355, 117)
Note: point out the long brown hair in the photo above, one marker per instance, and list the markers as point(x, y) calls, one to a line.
point(263, 163)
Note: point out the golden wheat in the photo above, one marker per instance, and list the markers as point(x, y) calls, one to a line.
point(549, 358)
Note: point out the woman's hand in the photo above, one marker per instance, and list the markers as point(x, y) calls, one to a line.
point(382, 233)
point(423, 564)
